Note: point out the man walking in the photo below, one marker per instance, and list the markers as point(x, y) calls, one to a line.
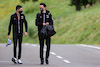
point(17, 20)
point(42, 19)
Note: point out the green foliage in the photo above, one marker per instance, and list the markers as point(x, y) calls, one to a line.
point(23, 1)
point(92, 1)
point(34, 0)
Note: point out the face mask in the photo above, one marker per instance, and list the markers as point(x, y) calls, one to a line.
point(41, 9)
point(20, 12)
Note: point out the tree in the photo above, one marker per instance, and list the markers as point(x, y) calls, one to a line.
point(77, 3)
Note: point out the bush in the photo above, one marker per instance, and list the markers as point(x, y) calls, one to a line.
point(23, 1)
point(34, 0)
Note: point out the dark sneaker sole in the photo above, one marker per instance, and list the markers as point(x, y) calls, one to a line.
point(47, 62)
point(42, 62)
point(19, 63)
point(14, 61)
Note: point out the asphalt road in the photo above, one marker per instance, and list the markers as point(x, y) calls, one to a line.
point(60, 56)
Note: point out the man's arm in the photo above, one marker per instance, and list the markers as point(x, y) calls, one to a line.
point(26, 26)
point(51, 20)
point(37, 21)
point(9, 28)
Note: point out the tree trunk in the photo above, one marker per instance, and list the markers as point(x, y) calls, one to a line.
point(78, 7)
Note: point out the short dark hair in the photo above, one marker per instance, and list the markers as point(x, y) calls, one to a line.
point(18, 7)
point(43, 4)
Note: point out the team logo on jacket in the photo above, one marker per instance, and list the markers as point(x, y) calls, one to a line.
point(22, 17)
point(47, 16)
point(14, 18)
point(40, 16)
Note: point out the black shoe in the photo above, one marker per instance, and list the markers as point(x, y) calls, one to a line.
point(47, 62)
point(42, 62)
point(14, 60)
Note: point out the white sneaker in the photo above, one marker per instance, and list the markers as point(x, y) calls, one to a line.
point(14, 60)
point(19, 61)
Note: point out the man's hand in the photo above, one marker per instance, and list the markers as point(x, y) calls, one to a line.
point(44, 24)
point(47, 23)
point(8, 36)
point(25, 33)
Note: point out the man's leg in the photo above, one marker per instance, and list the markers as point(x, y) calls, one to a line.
point(48, 40)
point(41, 50)
point(20, 46)
point(14, 48)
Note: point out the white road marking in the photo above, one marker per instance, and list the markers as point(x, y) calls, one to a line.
point(66, 61)
point(90, 46)
point(53, 53)
point(26, 44)
point(34, 45)
point(59, 57)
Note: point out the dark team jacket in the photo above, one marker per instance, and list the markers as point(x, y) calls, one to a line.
point(14, 22)
point(39, 19)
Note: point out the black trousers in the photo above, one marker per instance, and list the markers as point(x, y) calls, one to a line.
point(19, 38)
point(41, 41)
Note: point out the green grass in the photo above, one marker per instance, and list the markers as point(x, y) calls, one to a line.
point(72, 27)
